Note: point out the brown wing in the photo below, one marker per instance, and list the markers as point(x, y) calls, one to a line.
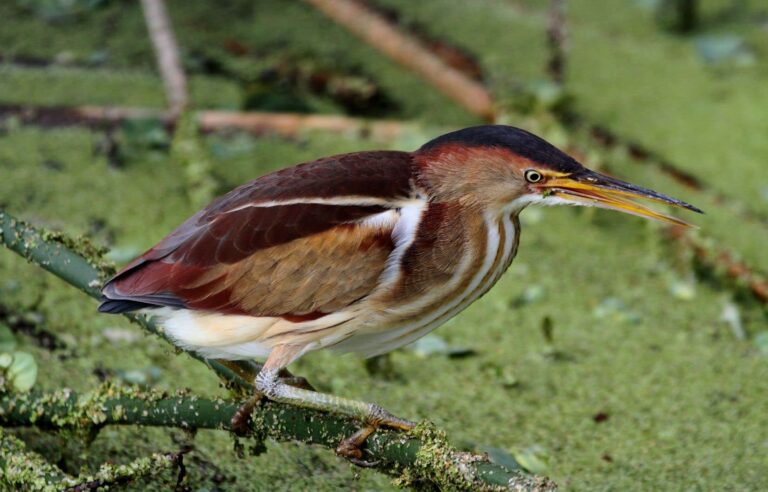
point(293, 243)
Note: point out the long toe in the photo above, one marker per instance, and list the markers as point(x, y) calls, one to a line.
point(382, 418)
point(240, 422)
point(351, 447)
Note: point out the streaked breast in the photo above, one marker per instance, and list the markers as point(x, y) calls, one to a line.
point(487, 254)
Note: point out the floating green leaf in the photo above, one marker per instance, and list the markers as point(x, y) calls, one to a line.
point(724, 49)
point(7, 339)
point(731, 315)
point(685, 290)
point(23, 371)
point(145, 133)
point(531, 294)
point(121, 255)
point(436, 345)
point(501, 457)
point(761, 342)
point(147, 375)
point(534, 459)
point(614, 309)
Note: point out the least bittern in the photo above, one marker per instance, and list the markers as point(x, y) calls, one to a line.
point(362, 252)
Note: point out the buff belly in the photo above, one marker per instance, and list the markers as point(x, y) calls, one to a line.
point(364, 329)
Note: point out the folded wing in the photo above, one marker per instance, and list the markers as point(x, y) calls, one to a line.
point(299, 243)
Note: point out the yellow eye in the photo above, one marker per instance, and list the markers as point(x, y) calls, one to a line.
point(533, 176)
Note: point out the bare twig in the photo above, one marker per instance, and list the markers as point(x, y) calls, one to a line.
point(557, 37)
point(167, 54)
point(403, 48)
point(290, 124)
point(723, 261)
point(285, 124)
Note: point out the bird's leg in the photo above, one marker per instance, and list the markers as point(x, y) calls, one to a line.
point(373, 416)
point(269, 385)
point(249, 371)
point(286, 377)
point(245, 369)
point(239, 421)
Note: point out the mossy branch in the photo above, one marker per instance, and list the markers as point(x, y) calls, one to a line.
point(422, 456)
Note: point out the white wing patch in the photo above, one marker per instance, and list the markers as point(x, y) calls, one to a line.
point(353, 200)
point(403, 236)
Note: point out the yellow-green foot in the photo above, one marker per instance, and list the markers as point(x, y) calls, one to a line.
point(351, 447)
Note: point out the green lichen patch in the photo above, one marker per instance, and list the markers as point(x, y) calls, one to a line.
point(23, 469)
point(85, 247)
point(440, 466)
point(141, 468)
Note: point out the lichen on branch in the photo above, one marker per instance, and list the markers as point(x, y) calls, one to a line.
point(422, 457)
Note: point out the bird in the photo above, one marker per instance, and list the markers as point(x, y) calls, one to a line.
point(362, 252)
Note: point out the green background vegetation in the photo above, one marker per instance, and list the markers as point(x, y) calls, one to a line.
point(642, 385)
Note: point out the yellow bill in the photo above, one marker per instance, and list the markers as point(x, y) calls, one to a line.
point(598, 190)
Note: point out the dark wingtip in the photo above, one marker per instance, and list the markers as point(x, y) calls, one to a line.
point(116, 306)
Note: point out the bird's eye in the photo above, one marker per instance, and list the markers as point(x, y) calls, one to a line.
point(533, 176)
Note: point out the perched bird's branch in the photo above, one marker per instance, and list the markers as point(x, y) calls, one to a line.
point(422, 456)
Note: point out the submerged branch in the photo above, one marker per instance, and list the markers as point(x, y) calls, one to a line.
point(110, 475)
point(256, 122)
point(376, 30)
point(423, 456)
point(420, 457)
point(22, 468)
point(723, 261)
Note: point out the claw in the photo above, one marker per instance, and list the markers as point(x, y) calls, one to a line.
point(239, 424)
point(363, 463)
point(351, 447)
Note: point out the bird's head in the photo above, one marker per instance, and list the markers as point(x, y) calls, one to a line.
point(503, 168)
